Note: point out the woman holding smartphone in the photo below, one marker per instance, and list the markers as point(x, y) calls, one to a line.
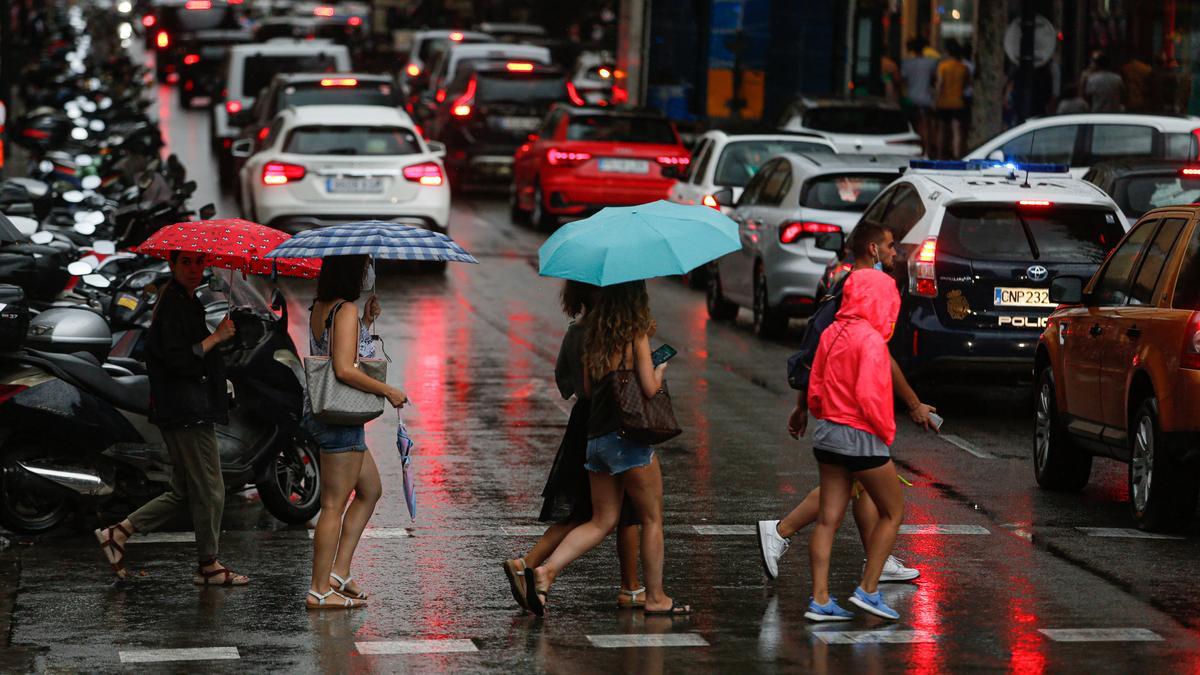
point(616, 337)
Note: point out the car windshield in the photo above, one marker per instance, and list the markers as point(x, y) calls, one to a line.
point(259, 69)
point(1047, 234)
point(1138, 194)
point(856, 120)
point(531, 88)
point(351, 140)
point(336, 93)
point(623, 128)
point(845, 192)
point(740, 160)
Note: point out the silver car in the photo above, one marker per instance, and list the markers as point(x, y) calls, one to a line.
point(792, 219)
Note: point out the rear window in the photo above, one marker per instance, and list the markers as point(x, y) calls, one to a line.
point(1069, 235)
point(624, 128)
point(259, 69)
point(431, 46)
point(1138, 194)
point(313, 93)
point(856, 120)
point(848, 192)
point(530, 88)
point(352, 140)
point(182, 20)
point(1187, 287)
point(740, 160)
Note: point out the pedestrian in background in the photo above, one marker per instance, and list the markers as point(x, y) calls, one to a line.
point(567, 496)
point(336, 331)
point(617, 337)
point(1071, 102)
point(187, 398)
point(1102, 88)
point(950, 103)
point(1136, 74)
point(850, 394)
point(917, 71)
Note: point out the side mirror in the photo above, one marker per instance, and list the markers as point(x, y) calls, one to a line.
point(79, 268)
point(996, 155)
point(188, 188)
point(831, 241)
point(437, 148)
point(724, 197)
point(242, 148)
point(207, 212)
point(1066, 290)
point(96, 280)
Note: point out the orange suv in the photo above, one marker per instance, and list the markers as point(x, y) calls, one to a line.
point(1118, 371)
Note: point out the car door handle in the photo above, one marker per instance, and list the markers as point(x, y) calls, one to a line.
point(1134, 332)
point(1095, 330)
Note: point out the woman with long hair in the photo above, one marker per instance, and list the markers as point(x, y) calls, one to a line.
point(567, 496)
point(616, 337)
point(335, 330)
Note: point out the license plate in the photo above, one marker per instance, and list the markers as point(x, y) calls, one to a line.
point(354, 185)
point(624, 165)
point(518, 123)
point(1022, 297)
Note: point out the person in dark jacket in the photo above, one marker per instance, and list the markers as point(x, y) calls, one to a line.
point(187, 398)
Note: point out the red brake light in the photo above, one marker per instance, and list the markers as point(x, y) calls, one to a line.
point(1196, 144)
point(790, 232)
point(456, 36)
point(262, 133)
point(191, 59)
point(413, 70)
point(425, 173)
point(1035, 203)
point(711, 202)
point(518, 67)
point(1190, 358)
point(674, 160)
point(558, 157)
point(233, 106)
point(149, 20)
point(162, 40)
point(198, 4)
point(280, 173)
point(8, 391)
point(573, 94)
point(440, 96)
point(354, 21)
point(339, 82)
point(419, 130)
point(323, 10)
point(39, 134)
point(1189, 172)
point(921, 277)
point(462, 104)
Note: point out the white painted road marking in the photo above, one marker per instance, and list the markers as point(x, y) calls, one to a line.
point(724, 530)
point(523, 530)
point(1101, 634)
point(187, 654)
point(871, 637)
point(1124, 533)
point(164, 538)
point(416, 647)
point(622, 640)
point(966, 445)
point(379, 533)
point(943, 529)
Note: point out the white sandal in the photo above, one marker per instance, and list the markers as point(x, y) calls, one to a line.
point(633, 602)
point(321, 598)
point(342, 590)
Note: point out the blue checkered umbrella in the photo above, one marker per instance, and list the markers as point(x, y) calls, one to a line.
point(378, 239)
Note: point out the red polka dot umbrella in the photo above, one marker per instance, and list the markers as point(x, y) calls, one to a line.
point(232, 244)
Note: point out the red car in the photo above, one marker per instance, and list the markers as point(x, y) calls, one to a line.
point(582, 159)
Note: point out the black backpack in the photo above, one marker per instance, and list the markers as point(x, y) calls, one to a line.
point(799, 366)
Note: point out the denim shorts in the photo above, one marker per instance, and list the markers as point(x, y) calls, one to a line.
point(334, 438)
point(613, 455)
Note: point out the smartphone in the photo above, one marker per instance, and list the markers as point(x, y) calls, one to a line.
point(662, 355)
point(937, 420)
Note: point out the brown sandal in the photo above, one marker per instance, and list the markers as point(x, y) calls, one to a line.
point(231, 578)
point(113, 552)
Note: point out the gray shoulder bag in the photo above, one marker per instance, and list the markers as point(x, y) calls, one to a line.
point(335, 402)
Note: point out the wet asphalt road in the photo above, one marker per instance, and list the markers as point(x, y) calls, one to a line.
point(1004, 565)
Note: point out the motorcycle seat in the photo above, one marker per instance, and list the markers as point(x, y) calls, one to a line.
point(129, 392)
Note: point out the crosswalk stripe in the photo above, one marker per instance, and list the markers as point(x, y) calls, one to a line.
point(1101, 634)
point(445, 646)
point(379, 533)
point(622, 640)
point(163, 538)
point(871, 637)
point(966, 446)
point(185, 654)
point(1124, 533)
point(933, 528)
point(723, 530)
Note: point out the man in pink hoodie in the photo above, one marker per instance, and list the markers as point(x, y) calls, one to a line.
point(850, 395)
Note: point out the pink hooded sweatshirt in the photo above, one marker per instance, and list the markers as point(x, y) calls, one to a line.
point(851, 381)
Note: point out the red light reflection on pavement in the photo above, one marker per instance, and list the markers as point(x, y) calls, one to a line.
point(926, 611)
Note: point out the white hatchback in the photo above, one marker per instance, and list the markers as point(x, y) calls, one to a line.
point(324, 165)
point(855, 126)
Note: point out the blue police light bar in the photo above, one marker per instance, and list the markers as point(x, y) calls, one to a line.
point(980, 164)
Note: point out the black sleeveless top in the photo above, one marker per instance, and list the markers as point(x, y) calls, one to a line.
point(605, 417)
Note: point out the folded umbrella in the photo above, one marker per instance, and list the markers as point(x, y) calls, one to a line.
point(232, 244)
point(629, 243)
point(405, 445)
point(379, 239)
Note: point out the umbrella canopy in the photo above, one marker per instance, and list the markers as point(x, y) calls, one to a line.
point(376, 238)
point(9, 231)
point(232, 244)
point(629, 243)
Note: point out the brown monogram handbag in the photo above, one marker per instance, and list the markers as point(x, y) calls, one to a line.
point(643, 420)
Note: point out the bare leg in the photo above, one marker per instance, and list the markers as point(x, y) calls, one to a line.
point(367, 492)
point(628, 551)
point(885, 491)
point(339, 473)
point(606, 511)
point(802, 516)
point(835, 493)
point(644, 485)
point(866, 517)
point(547, 543)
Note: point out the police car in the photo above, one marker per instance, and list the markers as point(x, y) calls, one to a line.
point(979, 242)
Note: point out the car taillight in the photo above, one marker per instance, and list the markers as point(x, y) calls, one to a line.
point(262, 133)
point(420, 131)
point(518, 67)
point(323, 10)
point(162, 40)
point(39, 134)
point(354, 21)
point(456, 36)
point(281, 173)
point(1190, 358)
point(233, 106)
point(1035, 203)
point(148, 21)
point(1195, 143)
point(339, 82)
point(425, 173)
point(791, 231)
point(921, 278)
point(440, 95)
point(8, 391)
point(1190, 173)
point(674, 160)
point(462, 104)
point(413, 70)
point(198, 4)
point(191, 59)
point(558, 157)
point(573, 94)
point(711, 202)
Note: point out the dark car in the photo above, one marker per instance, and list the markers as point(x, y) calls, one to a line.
point(1138, 185)
point(177, 21)
point(489, 110)
point(200, 67)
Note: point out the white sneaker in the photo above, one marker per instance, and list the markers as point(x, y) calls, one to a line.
point(894, 570)
point(772, 546)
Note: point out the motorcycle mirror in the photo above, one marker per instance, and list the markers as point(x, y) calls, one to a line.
point(96, 280)
point(91, 182)
point(81, 122)
point(45, 166)
point(104, 247)
point(83, 160)
point(86, 229)
point(79, 268)
point(72, 196)
point(207, 212)
point(79, 134)
point(106, 103)
point(89, 217)
point(96, 125)
point(88, 106)
point(42, 238)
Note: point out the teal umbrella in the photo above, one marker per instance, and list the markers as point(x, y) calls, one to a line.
point(628, 243)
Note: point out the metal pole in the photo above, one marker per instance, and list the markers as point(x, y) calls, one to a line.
point(1025, 77)
point(6, 70)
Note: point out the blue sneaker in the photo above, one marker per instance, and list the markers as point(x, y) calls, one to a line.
point(873, 603)
point(829, 611)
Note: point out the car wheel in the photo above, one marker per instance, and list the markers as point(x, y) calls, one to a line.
point(1058, 462)
point(542, 219)
point(1162, 490)
point(515, 212)
point(719, 309)
point(768, 323)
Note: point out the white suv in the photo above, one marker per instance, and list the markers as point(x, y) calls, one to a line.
point(855, 126)
point(1080, 141)
point(324, 165)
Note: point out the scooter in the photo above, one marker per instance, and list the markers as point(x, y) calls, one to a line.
point(75, 429)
